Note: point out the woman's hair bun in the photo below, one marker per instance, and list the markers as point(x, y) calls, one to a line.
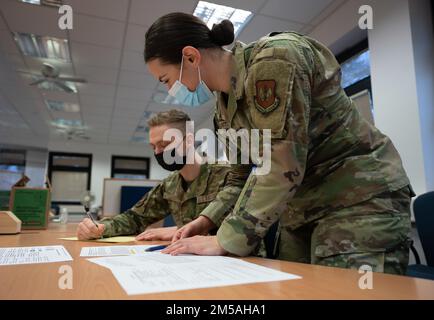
point(222, 33)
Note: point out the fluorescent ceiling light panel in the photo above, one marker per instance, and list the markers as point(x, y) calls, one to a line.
point(48, 3)
point(61, 106)
point(212, 13)
point(67, 123)
point(42, 47)
point(38, 2)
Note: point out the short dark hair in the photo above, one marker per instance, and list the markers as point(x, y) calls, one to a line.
point(167, 36)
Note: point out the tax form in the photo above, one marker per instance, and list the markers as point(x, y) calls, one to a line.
point(157, 272)
point(29, 255)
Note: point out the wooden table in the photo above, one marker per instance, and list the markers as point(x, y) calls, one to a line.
point(90, 281)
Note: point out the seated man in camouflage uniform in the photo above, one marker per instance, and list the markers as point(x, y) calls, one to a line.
point(185, 194)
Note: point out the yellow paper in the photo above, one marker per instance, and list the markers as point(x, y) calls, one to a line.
point(108, 240)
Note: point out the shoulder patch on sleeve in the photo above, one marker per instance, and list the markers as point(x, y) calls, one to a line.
point(269, 86)
point(265, 98)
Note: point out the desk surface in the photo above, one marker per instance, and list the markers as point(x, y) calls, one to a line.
point(90, 281)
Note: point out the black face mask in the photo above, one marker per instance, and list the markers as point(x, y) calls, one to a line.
point(176, 165)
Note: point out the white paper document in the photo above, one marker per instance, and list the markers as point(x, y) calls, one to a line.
point(28, 255)
point(157, 272)
point(107, 251)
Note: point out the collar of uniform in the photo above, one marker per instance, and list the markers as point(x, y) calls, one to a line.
point(196, 188)
point(239, 70)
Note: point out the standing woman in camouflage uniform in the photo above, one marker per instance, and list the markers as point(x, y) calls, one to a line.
point(336, 182)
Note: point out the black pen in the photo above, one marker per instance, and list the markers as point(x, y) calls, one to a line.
point(155, 248)
point(91, 218)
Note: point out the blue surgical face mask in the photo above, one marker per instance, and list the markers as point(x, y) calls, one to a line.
point(189, 98)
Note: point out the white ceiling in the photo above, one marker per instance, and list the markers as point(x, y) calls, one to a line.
point(106, 47)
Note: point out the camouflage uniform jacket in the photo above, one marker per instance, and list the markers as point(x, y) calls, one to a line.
point(324, 155)
point(212, 186)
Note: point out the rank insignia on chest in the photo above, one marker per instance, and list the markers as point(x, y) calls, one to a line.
point(266, 99)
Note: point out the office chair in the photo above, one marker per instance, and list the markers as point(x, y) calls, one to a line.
point(423, 208)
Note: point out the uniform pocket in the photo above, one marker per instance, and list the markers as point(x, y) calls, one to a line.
point(268, 92)
point(174, 206)
point(359, 235)
point(204, 200)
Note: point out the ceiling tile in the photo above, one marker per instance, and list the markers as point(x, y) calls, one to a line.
point(98, 89)
point(158, 107)
point(6, 108)
point(23, 17)
point(97, 113)
point(327, 11)
point(7, 43)
point(146, 12)
point(138, 80)
point(15, 92)
point(134, 94)
point(97, 74)
point(93, 101)
point(249, 5)
point(135, 38)
point(3, 25)
point(295, 10)
point(112, 9)
point(14, 61)
point(260, 26)
point(133, 61)
point(97, 31)
point(128, 113)
point(90, 55)
point(123, 103)
point(98, 125)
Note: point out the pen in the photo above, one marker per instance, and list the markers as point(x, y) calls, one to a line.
point(155, 248)
point(86, 208)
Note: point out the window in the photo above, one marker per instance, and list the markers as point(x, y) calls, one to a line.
point(12, 166)
point(70, 175)
point(356, 77)
point(130, 167)
point(356, 69)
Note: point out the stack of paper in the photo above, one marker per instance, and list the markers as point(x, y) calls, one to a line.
point(156, 272)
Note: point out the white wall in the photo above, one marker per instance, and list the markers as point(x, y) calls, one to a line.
point(402, 72)
point(36, 167)
point(401, 45)
point(101, 161)
point(423, 47)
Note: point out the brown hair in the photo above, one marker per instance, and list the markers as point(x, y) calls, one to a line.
point(175, 118)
